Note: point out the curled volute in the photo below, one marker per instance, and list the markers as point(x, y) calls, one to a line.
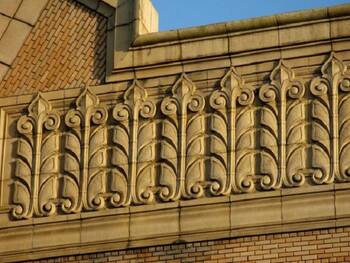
point(133, 180)
point(37, 161)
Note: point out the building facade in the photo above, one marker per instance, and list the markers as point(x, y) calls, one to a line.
point(220, 143)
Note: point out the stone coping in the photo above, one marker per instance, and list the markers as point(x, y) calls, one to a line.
point(238, 26)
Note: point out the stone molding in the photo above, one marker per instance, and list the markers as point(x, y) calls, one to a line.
point(203, 160)
point(237, 43)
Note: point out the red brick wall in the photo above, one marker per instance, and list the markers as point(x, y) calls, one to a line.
point(331, 245)
point(66, 48)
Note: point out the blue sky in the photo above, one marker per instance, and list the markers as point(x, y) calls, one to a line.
point(186, 13)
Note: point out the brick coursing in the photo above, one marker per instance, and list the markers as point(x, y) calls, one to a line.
point(65, 49)
point(330, 245)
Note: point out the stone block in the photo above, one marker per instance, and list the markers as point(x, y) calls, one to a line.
point(154, 55)
point(154, 224)
point(305, 33)
point(214, 217)
point(148, 16)
point(342, 204)
point(124, 13)
point(340, 28)
point(256, 212)
point(12, 40)
point(306, 51)
point(4, 21)
point(253, 41)
point(30, 10)
point(103, 229)
point(9, 7)
point(56, 234)
point(105, 9)
point(11, 240)
point(204, 48)
point(308, 207)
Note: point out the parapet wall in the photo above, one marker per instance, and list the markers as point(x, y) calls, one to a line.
point(250, 142)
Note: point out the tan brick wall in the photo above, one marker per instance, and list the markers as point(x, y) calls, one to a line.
point(331, 245)
point(66, 48)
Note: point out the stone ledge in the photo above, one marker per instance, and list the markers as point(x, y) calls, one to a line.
point(140, 226)
point(240, 26)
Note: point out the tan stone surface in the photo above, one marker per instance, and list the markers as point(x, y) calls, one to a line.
point(9, 7)
point(30, 10)
point(198, 136)
point(13, 37)
point(4, 22)
point(65, 49)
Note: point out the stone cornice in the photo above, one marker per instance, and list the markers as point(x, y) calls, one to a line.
point(242, 26)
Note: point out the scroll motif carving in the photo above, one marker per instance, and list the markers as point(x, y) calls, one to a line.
point(233, 137)
point(330, 112)
point(248, 139)
point(343, 81)
point(35, 186)
point(283, 135)
point(85, 161)
point(134, 175)
point(183, 147)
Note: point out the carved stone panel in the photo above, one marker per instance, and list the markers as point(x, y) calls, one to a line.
point(234, 138)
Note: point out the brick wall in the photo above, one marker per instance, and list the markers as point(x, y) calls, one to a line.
point(331, 245)
point(65, 49)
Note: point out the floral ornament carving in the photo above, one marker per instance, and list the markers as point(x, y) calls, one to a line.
point(84, 181)
point(182, 148)
point(330, 130)
point(233, 137)
point(35, 185)
point(247, 140)
point(283, 132)
point(133, 157)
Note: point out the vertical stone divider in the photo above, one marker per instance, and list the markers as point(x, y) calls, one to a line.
point(135, 122)
point(232, 161)
point(37, 168)
point(184, 133)
point(86, 159)
point(283, 155)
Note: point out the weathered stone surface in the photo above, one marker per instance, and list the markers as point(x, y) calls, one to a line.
point(233, 134)
point(13, 37)
point(9, 7)
point(30, 10)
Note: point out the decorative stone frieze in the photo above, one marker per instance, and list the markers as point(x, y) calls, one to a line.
point(239, 138)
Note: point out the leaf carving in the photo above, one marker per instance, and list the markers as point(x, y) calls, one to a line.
point(85, 161)
point(283, 110)
point(231, 104)
point(134, 148)
point(35, 187)
point(182, 112)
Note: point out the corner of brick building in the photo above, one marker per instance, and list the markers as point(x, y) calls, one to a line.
point(65, 49)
